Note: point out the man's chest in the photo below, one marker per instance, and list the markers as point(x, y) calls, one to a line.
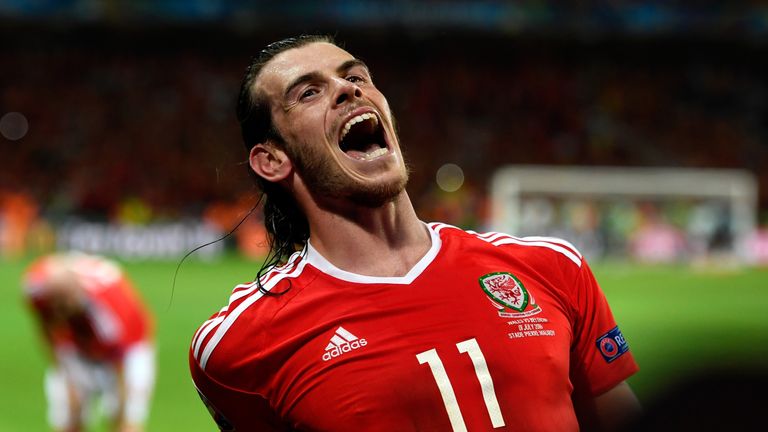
point(485, 347)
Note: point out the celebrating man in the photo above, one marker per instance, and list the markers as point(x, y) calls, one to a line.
point(366, 318)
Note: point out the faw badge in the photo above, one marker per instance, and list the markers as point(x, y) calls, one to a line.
point(508, 295)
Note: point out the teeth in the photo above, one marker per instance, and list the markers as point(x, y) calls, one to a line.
point(374, 154)
point(357, 119)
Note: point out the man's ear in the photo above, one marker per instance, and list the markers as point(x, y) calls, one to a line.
point(270, 162)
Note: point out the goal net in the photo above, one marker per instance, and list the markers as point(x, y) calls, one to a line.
point(647, 214)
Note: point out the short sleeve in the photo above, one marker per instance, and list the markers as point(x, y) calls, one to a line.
point(600, 356)
point(233, 409)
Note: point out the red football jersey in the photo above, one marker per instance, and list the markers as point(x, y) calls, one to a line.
point(113, 319)
point(486, 331)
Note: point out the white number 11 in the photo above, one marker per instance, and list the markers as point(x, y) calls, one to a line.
point(470, 347)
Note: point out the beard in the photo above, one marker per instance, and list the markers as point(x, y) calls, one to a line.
point(324, 178)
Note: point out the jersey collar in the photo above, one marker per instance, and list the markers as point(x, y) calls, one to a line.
point(318, 261)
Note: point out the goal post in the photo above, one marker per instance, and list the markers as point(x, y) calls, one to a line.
point(618, 211)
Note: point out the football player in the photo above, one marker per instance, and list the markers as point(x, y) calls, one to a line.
point(367, 318)
point(100, 337)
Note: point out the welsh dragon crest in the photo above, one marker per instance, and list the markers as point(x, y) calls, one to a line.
point(505, 290)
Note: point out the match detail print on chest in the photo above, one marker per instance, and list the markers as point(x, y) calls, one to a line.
point(511, 299)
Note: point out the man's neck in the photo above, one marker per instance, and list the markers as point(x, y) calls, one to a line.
point(384, 241)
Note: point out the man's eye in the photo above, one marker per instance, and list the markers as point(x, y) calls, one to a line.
point(308, 93)
point(355, 79)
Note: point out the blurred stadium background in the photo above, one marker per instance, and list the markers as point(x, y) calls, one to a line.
point(650, 118)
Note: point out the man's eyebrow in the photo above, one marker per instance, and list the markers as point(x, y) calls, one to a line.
point(349, 64)
point(311, 76)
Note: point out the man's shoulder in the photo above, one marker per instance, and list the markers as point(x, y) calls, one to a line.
point(549, 250)
point(233, 334)
point(238, 330)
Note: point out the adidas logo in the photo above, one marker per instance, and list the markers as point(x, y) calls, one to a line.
point(342, 342)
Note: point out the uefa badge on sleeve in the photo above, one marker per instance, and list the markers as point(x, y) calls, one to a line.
point(612, 345)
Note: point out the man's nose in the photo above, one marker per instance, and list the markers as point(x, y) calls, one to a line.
point(346, 92)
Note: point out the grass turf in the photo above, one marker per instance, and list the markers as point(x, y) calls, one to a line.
point(678, 321)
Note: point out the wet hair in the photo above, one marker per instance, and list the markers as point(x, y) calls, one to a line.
point(286, 225)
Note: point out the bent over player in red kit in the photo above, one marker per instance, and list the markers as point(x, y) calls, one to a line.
point(101, 340)
point(367, 318)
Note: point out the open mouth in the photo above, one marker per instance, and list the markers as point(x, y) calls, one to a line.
point(362, 137)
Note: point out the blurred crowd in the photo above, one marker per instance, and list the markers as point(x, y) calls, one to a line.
point(121, 134)
point(137, 131)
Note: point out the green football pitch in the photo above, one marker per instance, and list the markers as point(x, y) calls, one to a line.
point(678, 321)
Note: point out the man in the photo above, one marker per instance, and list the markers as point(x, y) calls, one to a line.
point(100, 337)
point(368, 318)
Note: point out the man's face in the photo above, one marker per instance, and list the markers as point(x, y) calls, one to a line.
point(337, 126)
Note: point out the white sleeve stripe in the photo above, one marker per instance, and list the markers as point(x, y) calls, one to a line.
point(197, 333)
point(204, 332)
point(555, 240)
point(497, 239)
point(490, 236)
point(214, 318)
point(548, 245)
point(285, 268)
point(246, 289)
point(242, 293)
point(249, 288)
point(493, 236)
point(233, 315)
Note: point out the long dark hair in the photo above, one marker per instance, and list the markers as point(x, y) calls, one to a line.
point(286, 225)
